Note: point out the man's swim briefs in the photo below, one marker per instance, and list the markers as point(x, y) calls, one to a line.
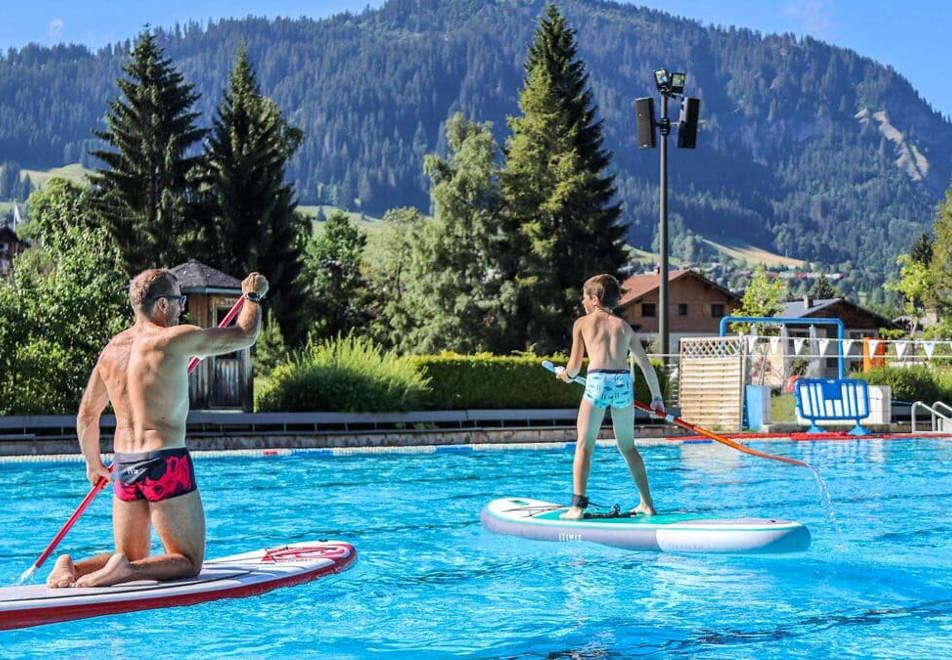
point(153, 476)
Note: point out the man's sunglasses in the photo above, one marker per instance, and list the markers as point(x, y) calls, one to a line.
point(181, 299)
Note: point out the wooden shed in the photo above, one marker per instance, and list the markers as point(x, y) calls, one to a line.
point(222, 381)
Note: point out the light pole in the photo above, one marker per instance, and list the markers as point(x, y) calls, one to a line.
point(670, 85)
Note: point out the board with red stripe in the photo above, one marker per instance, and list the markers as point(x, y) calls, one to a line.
point(236, 576)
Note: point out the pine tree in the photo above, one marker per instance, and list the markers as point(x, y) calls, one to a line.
point(822, 289)
point(147, 190)
point(452, 289)
point(251, 206)
point(562, 224)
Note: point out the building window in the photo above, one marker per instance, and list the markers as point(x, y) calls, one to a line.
point(682, 309)
point(717, 310)
point(647, 309)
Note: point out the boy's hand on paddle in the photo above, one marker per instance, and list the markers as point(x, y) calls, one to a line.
point(562, 374)
point(657, 405)
point(95, 471)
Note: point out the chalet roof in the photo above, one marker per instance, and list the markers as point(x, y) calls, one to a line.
point(806, 307)
point(195, 277)
point(637, 286)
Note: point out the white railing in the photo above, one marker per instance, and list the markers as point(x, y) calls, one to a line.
point(935, 415)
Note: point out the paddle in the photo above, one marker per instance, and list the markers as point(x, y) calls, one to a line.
point(697, 429)
point(101, 483)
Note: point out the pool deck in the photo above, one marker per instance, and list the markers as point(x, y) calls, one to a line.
point(338, 434)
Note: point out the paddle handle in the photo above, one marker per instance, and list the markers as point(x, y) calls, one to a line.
point(102, 481)
point(671, 419)
point(232, 313)
point(98, 486)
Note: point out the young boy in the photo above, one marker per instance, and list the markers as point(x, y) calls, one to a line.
point(608, 340)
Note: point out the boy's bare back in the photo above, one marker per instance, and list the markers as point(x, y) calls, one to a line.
point(607, 339)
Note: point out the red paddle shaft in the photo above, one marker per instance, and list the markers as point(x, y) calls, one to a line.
point(697, 429)
point(101, 483)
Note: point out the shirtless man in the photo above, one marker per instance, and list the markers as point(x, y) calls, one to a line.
point(143, 372)
point(609, 381)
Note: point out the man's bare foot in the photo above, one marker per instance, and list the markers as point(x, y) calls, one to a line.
point(643, 509)
point(63, 573)
point(574, 513)
point(117, 569)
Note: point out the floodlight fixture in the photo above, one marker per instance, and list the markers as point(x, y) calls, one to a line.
point(670, 83)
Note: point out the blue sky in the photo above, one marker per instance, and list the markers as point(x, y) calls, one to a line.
point(909, 35)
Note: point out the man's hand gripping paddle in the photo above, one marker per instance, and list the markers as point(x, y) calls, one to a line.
point(696, 429)
point(101, 483)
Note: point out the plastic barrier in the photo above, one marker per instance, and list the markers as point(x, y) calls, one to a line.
point(819, 399)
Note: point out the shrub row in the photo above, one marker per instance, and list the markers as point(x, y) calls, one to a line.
point(353, 375)
point(913, 383)
point(459, 382)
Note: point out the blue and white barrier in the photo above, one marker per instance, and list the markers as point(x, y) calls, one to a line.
point(820, 399)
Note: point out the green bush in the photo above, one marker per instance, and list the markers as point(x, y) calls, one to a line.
point(459, 382)
point(910, 383)
point(349, 374)
point(353, 374)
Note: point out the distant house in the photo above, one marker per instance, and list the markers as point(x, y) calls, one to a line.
point(695, 305)
point(812, 341)
point(857, 321)
point(223, 381)
point(10, 246)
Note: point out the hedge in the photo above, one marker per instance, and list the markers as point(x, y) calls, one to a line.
point(912, 383)
point(351, 375)
point(459, 382)
point(348, 374)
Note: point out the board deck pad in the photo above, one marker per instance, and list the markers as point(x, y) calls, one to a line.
point(670, 532)
point(235, 576)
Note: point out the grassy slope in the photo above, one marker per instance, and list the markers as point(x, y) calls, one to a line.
point(73, 172)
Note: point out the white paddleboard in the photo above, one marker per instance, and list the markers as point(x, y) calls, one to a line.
point(673, 532)
point(236, 576)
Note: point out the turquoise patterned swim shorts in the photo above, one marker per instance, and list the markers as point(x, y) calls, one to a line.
point(608, 387)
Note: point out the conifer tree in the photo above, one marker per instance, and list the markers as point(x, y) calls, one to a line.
point(251, 206)
point(453, 287)
point(562, 222)
point(147, 190)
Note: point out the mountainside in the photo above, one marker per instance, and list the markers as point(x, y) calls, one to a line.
point(807, 150)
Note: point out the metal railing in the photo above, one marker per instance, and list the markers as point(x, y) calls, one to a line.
point(935, 415)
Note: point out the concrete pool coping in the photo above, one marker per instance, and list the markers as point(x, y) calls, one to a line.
point(200, 450)
point(352, 433)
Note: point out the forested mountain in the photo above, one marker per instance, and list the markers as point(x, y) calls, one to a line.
point(806, 149)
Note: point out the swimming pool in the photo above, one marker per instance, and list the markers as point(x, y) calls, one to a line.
point(431, 581)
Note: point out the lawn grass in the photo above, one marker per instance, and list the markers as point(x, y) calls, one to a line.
point(782, 408)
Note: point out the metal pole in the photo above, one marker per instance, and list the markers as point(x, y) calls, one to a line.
point(665, 127)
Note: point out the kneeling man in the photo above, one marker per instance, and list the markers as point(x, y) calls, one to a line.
point(143, 373)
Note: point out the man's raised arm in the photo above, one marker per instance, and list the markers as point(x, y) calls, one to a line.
point(192, 340)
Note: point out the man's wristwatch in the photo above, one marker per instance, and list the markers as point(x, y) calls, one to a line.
point(252, 296)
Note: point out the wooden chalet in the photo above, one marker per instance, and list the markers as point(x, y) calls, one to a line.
point(696, 304)
point(222, 381)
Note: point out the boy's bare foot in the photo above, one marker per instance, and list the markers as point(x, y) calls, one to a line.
point(643, 509)
point(63, 573)
point(574, 513)
point(117, 569)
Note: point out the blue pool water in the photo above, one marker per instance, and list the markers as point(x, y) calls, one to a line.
point(430, 581)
